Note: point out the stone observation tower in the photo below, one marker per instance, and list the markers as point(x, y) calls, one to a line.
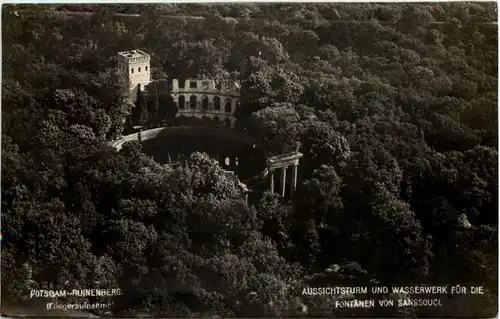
point(134, 67)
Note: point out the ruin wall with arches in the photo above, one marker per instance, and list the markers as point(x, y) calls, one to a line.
point(204, 98)
point(200, 98)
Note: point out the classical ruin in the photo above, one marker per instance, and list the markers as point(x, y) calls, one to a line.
point(205, 98)
point(200, 98)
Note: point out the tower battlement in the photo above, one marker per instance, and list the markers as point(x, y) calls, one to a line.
point(134, 55)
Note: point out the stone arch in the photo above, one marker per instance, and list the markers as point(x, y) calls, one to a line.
point(181, 101)
point(227, 106)
point(192, 102)
point(216, 103)
point(205, 102)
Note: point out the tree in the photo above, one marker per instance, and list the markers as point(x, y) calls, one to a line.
point(319, 203)
point(279, 128)
point(269, 86)
point(414, 18)
point(186, 62)
point(393, 220)
point(394, 106)
point(56, 264)
point(319, 198)
point(322, 145)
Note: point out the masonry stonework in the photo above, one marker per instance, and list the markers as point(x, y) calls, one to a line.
point(134, 66)
point(201, 98)
point(193, 97)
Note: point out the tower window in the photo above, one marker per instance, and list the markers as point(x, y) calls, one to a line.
point(139, 69)
point(192, 85)
point(146, 68)
point(132, 70)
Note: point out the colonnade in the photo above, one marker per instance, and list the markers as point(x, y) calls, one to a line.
point(283, 176)
point(283, 163)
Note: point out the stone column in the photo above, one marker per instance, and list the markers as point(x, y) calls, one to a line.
point(293, 180)
point(272, 181)
point(283, 181)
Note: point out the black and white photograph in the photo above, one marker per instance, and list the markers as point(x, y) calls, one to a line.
point(249, 160)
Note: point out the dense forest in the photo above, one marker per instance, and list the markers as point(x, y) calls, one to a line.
point(395, 108)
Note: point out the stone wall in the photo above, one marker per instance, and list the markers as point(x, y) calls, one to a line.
point(204, 98)
point(134, 66)
point(224, 160)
